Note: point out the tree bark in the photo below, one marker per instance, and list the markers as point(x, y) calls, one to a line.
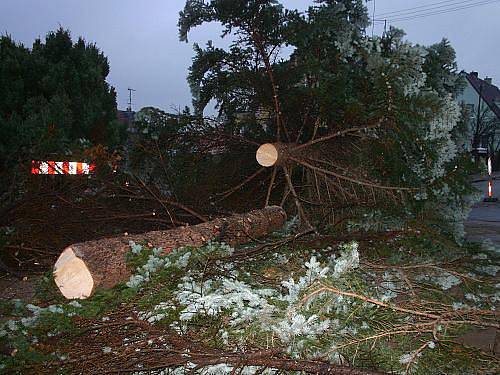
point(82, 268)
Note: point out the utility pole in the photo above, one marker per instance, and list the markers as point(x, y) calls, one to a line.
point(479, 109)
point(477, 139)
point(129, 108)
point(130, 117)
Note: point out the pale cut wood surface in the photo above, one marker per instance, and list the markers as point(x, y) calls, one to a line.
point(83, 267)
point(267, 155)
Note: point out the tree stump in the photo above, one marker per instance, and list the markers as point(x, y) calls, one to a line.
point(82, 268)
point(274, 154)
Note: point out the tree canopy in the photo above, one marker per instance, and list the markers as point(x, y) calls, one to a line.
point(372, 117)
point(53, 97)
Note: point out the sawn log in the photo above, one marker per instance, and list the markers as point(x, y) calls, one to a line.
point(82, 268)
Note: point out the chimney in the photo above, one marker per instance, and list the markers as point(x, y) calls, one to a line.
point(488, 80)
point(475, 74)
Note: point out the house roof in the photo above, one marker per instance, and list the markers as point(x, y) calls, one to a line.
point(125, 116)
point(489, 93)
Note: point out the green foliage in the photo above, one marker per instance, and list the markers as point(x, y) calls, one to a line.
point(28, 330)
point(333, 327)
point(46, 289)
point(157, 155)
point(52, 97)
point(236, 80)
point(329, 76)
point(184, 156)
point(441, 69)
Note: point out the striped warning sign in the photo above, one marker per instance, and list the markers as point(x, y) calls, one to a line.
point(61, 167)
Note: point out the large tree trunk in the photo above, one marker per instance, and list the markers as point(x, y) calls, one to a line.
point(83, 267)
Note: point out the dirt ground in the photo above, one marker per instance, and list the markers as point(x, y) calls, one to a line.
point(13, 287)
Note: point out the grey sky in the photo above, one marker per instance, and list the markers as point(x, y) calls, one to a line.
point(140, 38)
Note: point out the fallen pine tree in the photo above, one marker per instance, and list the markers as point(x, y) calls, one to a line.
point(83, 267)
point(344, 125)
point(316, 305)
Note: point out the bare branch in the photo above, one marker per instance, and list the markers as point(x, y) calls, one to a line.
point(270, 188)
point(337, 134)
point(233, 190)
point(356, 181)
point(300, 209)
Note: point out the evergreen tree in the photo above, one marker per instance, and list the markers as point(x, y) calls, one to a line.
point(52, 97)
point(373, 117)
point(441, 69)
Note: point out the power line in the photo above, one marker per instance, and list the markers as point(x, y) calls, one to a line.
point(444, 11)
point(428, 12)
point(422, 7)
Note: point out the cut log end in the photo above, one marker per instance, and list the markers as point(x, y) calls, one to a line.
point(72, 276)
point(267, 155)
point(85, 267)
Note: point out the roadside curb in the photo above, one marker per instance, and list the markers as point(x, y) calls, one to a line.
point(486, 179)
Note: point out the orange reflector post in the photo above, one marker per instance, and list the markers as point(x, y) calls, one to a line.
point(490, 189)
point(61, 167)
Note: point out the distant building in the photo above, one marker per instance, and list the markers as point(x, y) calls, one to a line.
point(482, 101)
point(127, 117)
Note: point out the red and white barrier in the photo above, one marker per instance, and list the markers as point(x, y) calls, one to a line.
point(490, 197)
point(61, 167)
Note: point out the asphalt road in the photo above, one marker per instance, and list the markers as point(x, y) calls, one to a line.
point(484, 220)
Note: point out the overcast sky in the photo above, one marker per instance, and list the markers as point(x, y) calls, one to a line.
point(140, 38)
